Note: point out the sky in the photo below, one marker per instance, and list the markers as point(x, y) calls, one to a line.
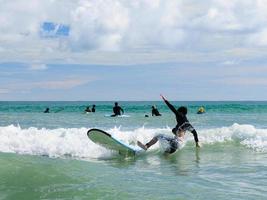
point(93, 50)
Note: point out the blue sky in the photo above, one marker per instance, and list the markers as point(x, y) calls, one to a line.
point(133, 50)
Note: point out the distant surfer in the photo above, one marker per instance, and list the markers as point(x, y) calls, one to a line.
point(155, 111)
point(46, 110)
point(87, 109)
point(201, 110)
point(179, 130)
point(93, 108)
point(117, 110)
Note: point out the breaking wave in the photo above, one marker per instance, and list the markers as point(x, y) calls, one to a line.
point(73, 142)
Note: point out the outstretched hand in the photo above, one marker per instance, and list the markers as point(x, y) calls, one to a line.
point(162, 97)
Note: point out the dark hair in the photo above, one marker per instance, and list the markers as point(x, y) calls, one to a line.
point(182, 109)
point(116, 103)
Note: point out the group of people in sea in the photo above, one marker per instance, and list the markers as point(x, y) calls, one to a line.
point(117, 110)
point(88, 109)
point(179, 130)
point(155, 111)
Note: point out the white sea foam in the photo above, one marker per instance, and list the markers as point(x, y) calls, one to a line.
point(246, 135)
point(53, 143)
point(74, 142)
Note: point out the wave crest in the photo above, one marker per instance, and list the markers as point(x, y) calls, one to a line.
point(73, 142)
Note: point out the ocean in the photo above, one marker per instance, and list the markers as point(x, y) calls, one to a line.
point(49, 156)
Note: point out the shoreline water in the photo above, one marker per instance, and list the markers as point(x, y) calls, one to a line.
point(48, 155)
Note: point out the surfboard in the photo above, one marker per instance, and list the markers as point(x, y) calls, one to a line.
point(122, 116)
point(106, 140)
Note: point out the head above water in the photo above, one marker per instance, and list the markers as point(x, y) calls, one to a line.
point(182, 109)
point(116, 103)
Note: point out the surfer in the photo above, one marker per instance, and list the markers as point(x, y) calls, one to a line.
point(201, 110)
point(46, 110)
point(117, 110)
point(87, 109)
point(179, 130)
point(93, 108)
point(155, 111)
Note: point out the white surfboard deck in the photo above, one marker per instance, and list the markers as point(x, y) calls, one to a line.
point(122, 116)
point(108, 141)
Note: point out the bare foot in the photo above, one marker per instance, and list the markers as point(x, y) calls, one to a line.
point(141, 145)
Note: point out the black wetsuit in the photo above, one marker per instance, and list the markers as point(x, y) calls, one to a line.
point(155, 112)
point(117, 111)
point(47, 110)
point(182, 122)
point(93, 109)
point(173, 142)
point(87, 110)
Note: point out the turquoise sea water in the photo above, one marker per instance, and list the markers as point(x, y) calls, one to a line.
point(48, 156)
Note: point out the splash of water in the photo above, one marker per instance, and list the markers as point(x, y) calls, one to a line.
point(73, 142)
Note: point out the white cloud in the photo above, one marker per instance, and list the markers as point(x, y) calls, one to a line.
point(141, 28)
point(38, 66)
point(4, 91)
point(24, 86)
point(60, 84)
point(230, 62)
point(244, 81)
point(258, 38)
point(98, 25)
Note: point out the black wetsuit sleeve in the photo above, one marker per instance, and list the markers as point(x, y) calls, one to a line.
point(122, 110)
point(172, 108)
point(195, 135)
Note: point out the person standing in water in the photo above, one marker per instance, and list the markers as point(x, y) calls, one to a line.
point(87, 109)
point(201, 110)
point(117, 110)
point(93, 108)
point(179, 130)
point(46, 110)
point(155, 111)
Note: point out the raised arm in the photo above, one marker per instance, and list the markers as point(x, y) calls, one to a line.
point(172, 108)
